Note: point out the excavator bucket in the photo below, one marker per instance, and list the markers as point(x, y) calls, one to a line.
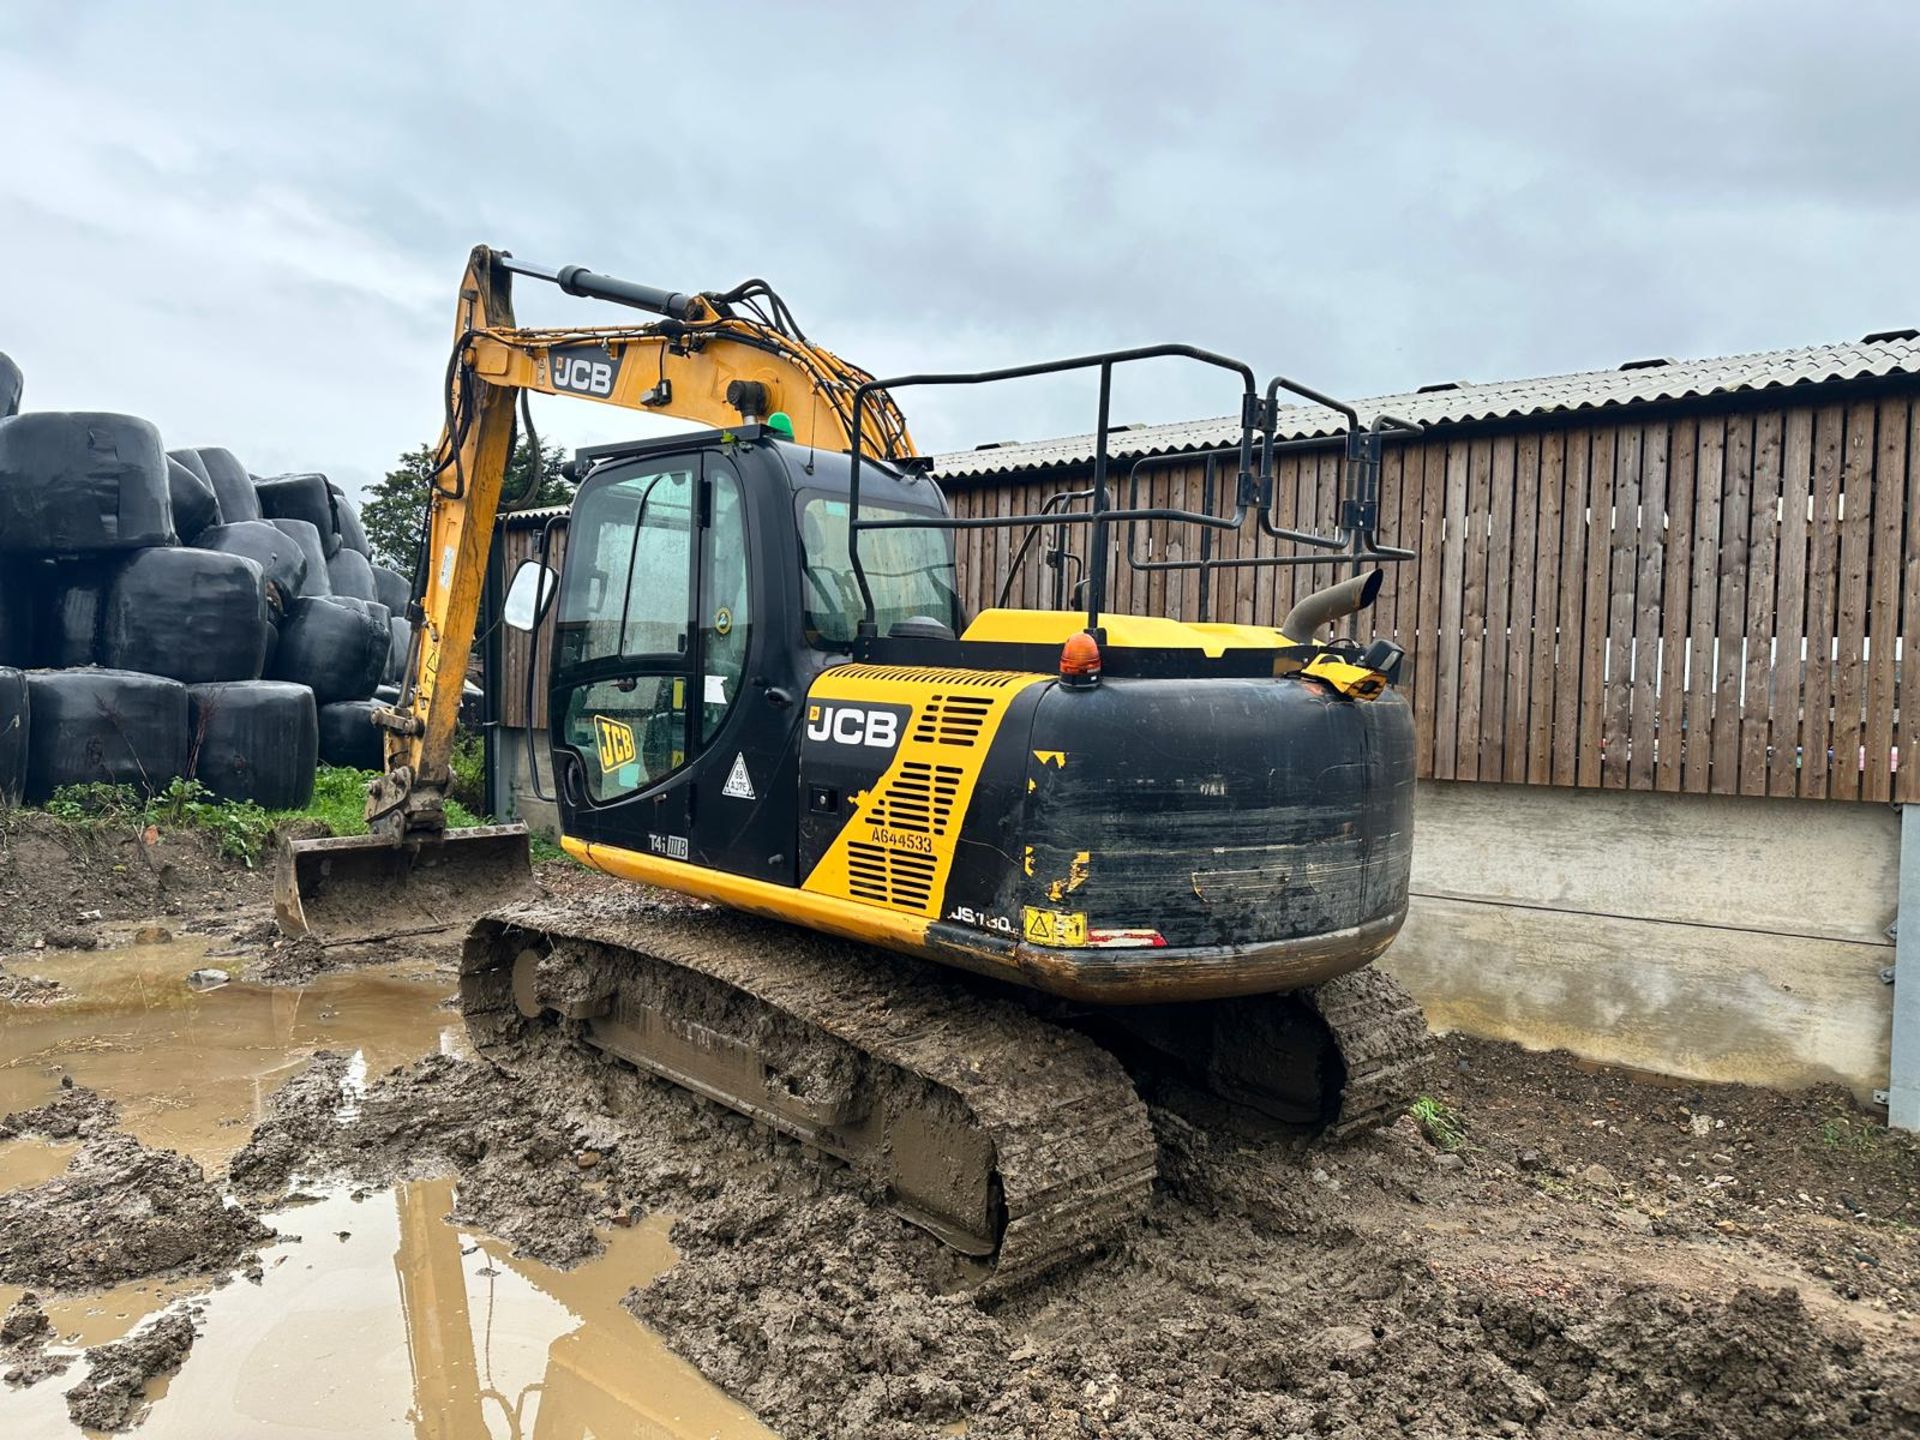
point(357, 888)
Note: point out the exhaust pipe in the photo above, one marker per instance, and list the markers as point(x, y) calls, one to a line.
point(1323, 607)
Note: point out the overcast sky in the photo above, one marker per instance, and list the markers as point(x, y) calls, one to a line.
point(248, 222)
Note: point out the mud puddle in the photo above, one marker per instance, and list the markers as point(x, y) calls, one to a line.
point(384, 1319)
point(191, 1068)
point(27, 1161)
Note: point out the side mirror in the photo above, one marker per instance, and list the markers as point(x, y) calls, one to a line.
point(533, 586)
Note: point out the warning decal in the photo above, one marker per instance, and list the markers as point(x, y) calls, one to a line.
point(739, 784)
point(1054, 927)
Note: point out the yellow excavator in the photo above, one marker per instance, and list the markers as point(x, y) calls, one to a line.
point(1092, 835)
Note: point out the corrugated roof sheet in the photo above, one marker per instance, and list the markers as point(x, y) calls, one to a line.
point(1636, 382)
point(532, 519)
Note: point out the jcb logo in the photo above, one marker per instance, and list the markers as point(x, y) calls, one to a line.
point(588, 371)
point(616, 742)
point(853, 725)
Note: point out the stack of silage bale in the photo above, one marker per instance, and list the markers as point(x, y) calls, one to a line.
point(166, 614)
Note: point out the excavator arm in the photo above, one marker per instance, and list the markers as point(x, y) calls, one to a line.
point(718, 358)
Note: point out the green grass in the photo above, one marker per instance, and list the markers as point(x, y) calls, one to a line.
point(241, 829)
point(1856, 1137)
point(1440, 1123)
point(340, 799)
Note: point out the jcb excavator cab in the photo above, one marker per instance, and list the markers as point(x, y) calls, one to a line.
point(706, 584)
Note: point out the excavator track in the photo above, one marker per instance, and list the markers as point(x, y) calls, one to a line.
point(1379, 1034)
point(1011, 1139)
point(1347, 1055)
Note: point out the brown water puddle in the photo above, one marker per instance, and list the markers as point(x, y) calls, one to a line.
point(384, 1319)
point(28, 1161)
point(387, 1320)
point(192, 1069)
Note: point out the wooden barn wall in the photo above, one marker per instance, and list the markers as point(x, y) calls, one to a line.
point(516, 646)
point(1707, 603)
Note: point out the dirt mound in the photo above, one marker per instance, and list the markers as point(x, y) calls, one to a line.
point(19, 989)
point(24, 1336)
point(120, 1212)
point(113, 1394)
point(538, 1166)
point(818, 1311)
point(75, 1113)
point(1656, 1363)
point(58, 878)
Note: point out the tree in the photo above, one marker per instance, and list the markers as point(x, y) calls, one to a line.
point(397, 505)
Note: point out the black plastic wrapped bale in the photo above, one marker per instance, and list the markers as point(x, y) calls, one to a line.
point(11, 386)
point(19, 599)
point(72, 599)
point(387, 694)
point(350, 573)
point(402, 630)
point(336, 648)
point(15, 732)
point(299, 497)
point(349, 738)
point(191, 459)
point(77, 483)
point(196, 615)
point(281, 559)
point(255, 740)
point(372, 607)
point(110, 727)
point(346, 515)
point(231, 483)
point(308, 539)
point(392, 589)
point(195, 506)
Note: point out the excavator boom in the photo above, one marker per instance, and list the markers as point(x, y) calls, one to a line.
point(705, 359)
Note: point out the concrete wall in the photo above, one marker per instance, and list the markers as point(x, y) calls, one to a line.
point(1712, 937)
point(514, 797)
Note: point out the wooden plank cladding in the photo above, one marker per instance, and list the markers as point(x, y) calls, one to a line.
point(1677, 599)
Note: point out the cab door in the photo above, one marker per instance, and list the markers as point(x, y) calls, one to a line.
point(674, 730)
point(625, 657)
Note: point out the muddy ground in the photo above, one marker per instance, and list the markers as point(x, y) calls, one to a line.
point(1555, 1251)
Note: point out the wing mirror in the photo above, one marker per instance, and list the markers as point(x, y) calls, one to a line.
point(533, 587)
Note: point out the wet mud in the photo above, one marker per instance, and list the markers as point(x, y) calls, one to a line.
point(1552, 1251)
point(113, 1393)
point(120, 1211)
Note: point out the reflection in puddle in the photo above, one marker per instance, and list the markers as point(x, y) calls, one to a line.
point(386, 1320)
point(192, 1069)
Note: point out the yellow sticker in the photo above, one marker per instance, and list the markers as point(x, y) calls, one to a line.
point(1054, 927)
point(1055, 758)
point(723, 621)
point(1076, 876)
point(616, 742)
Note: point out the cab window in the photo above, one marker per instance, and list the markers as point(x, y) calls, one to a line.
point(630, 607)
point(909, 571)
point(629, 559)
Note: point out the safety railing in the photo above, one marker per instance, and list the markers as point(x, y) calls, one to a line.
point(1254, 491)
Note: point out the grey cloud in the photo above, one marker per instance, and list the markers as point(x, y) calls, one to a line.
point(1370, 197)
